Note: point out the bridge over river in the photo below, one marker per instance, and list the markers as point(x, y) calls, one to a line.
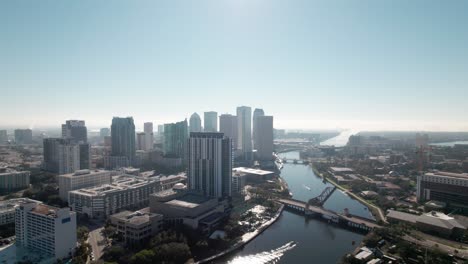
point(314, 208)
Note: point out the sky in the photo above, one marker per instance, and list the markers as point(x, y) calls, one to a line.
point(357, 64)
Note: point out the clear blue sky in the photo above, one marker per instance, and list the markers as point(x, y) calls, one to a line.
point(395, 64)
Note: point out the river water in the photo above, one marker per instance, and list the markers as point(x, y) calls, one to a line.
point(314, 241)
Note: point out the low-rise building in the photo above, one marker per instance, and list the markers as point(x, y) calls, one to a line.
point(11, 180)
point(254, 175)
point(188, 208)
point(125, 192)
point(433, 222)
point(341, 171)
point(238, 182)
point(102, 201)
point(45, 229)
point(82, 179)
point(137, 227)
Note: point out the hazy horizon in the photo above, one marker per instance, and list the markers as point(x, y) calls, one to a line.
point(324, 65)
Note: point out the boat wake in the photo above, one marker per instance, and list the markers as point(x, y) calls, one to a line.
point(305, 186)
point(266, 257)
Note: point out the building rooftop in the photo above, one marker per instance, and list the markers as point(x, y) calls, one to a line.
point(136, 218)
point(341, 169)
point(251, 171)
point(82, 173)
point(188, 200)
point(9, 205)
point(448, 174)
point(440, 219)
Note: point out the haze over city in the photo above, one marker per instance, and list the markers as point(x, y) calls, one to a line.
point(365, 65)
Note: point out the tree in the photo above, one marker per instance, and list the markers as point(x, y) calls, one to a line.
point(172, 253)
point(82, 233)
point(143, 257)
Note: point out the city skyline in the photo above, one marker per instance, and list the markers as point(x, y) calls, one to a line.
point(365, 65)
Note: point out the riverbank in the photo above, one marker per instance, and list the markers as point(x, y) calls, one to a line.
point(246, 238)
point(375, 210)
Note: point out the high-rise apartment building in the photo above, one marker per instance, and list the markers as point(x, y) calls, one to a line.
point(149, 136)
point(75, 130)
point(195, 123)
point(45, 229)
point(257, 113)
point(228, 126)
point(210, 164)
point(264, 139)
point(211, 122)
point(175, 139)
point(123, 138)
point(160, 130)
point(23, 136)
point(244, 131)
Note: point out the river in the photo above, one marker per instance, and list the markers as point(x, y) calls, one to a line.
point(315, 241)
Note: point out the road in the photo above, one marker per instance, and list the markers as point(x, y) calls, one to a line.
point(462, 253)
point(97, 242)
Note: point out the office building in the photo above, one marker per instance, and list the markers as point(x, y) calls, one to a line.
point(447, 187)
point(82, 179)
point(3, 137)
point(161, 130)
point(12, 180)
point(149, 136)
point(210, 122)
point(264, 141)
point(195, 123)
point(141, 140)
point(104, 132)
point(123, 138)
point(46, 229)
point(257, 113)
point(210, 164)
point(137, 227)
point(75, 130)
point(85, 157)
point(228, 126)
point(175, 138)
point(244, 131)
point(23, 136)
point(63, 156)
point(7, 209)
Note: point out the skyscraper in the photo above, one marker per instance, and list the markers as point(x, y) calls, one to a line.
point(3, 137)
point(264, 137)
point(228, 126)
point(104, 132)
point(149, 136)
point(75, 130)
point(210, 164)
point(23, 136)
point(195, 123)
point(244, 131)
point(211, 122)
point(141, 141)
point(175, 137)
point(64, 156)
point(123, 138)
point(257, 113)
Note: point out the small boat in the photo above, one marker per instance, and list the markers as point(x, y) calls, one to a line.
point(307, 187)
